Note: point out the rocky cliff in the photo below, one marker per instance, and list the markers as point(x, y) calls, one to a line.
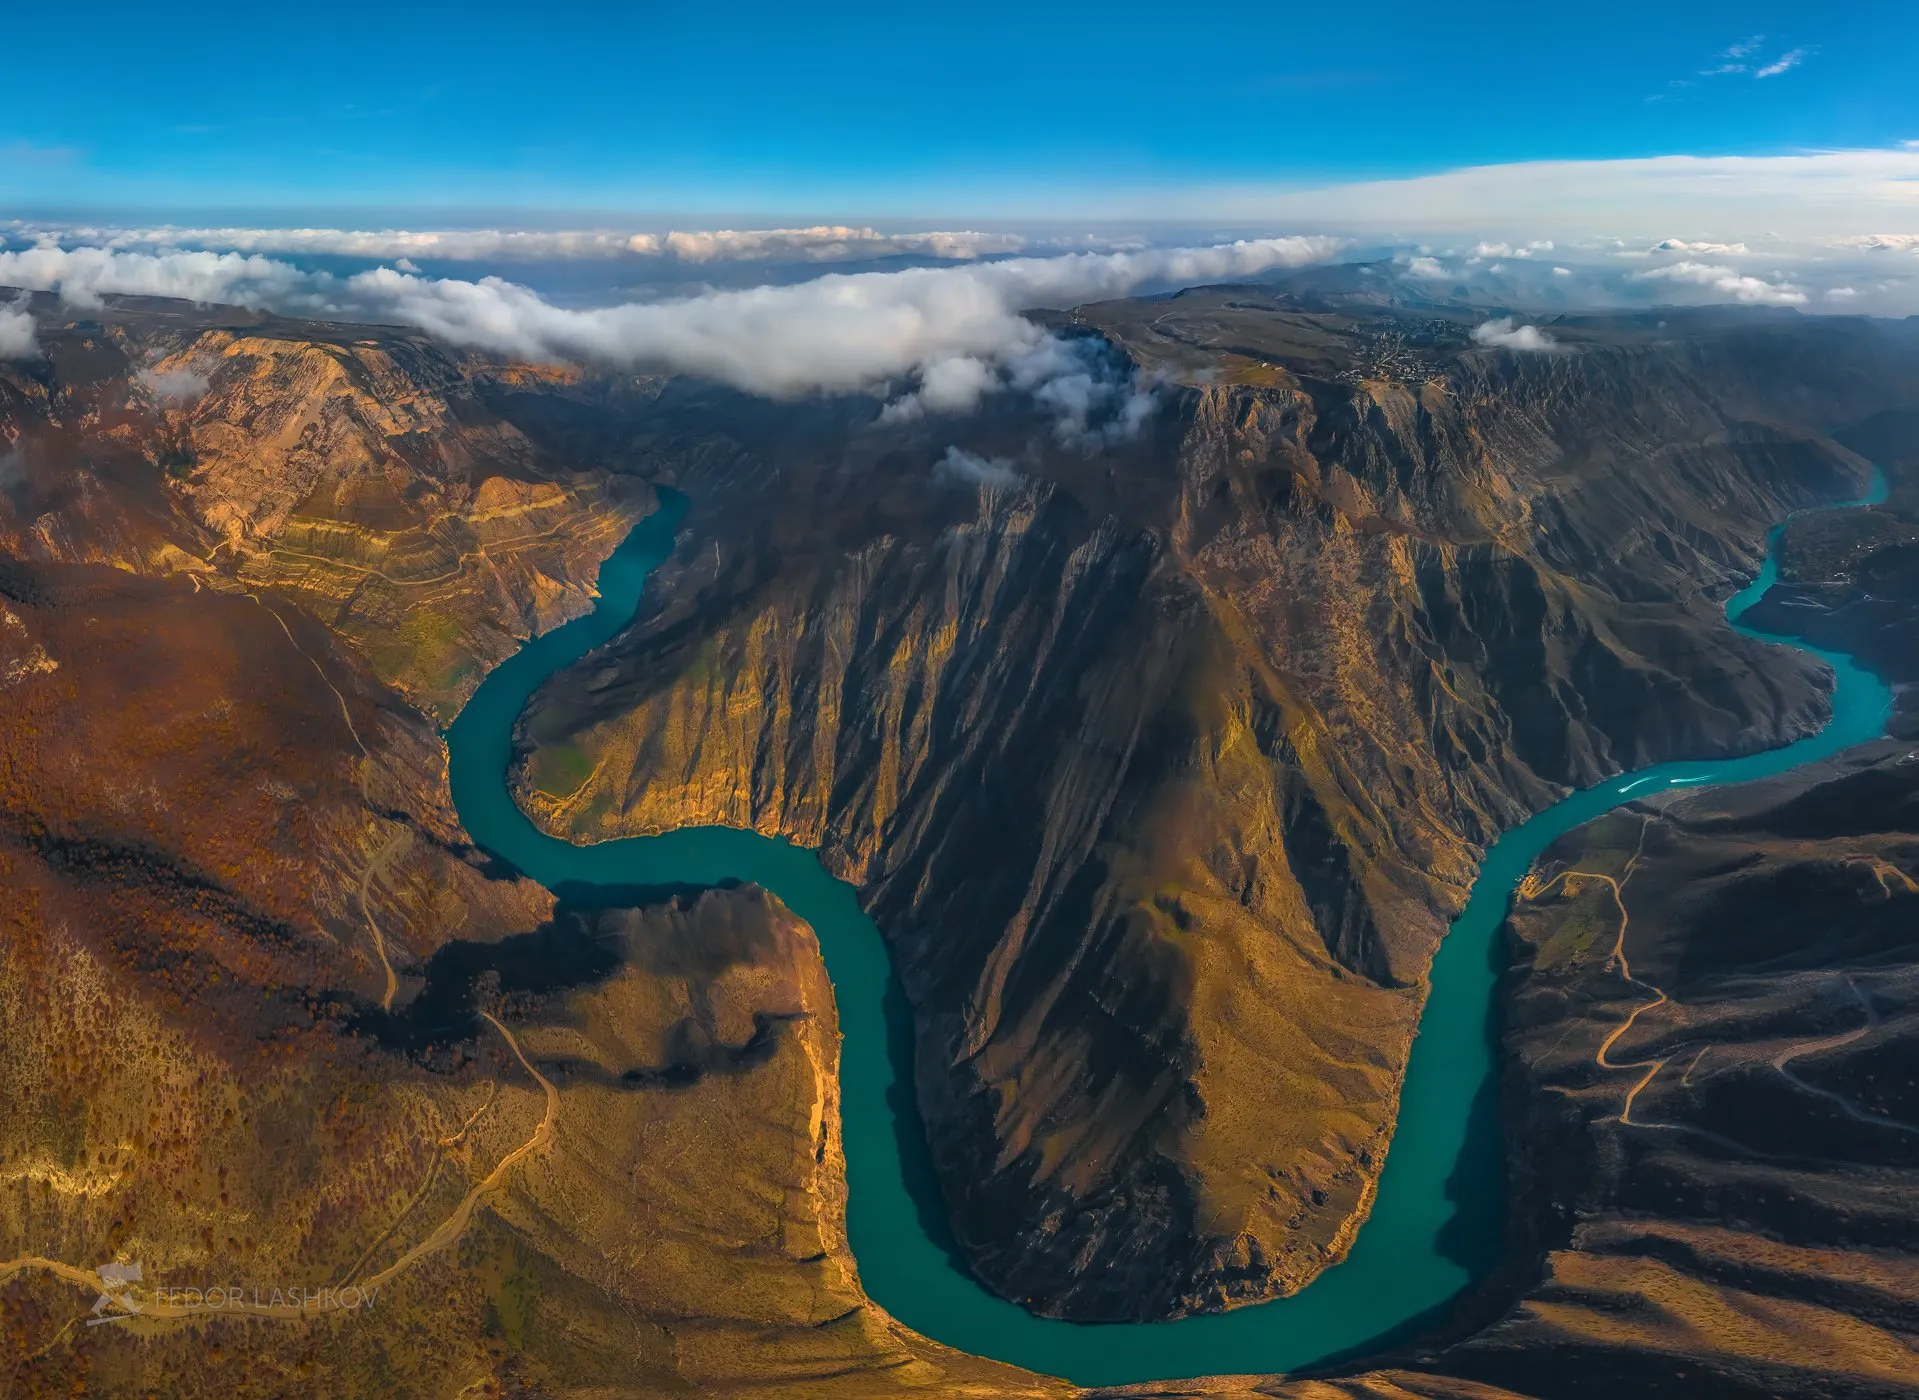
point(1163, 771)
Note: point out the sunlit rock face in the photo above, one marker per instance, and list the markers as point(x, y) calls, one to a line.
point(234, 880)
point(357, 471)
point(1164, 769)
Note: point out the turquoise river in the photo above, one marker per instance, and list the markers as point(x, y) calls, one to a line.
point(1437, 1222)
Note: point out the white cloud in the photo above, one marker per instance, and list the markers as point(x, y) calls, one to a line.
point(1094, 401)
point(1740, 58)
point(1502, 334)
point(1562, 272)
point(406, 248)
point(1512, 250)
point(83, 275)
point(1427, 267)
point(450, 245)
point(835, 333)
point(833, 243)
point(1733, 56)
point(17, 341)
point(1841, 293)
point(180, 385)
point(1785, 63)
point(1680, 245)
point(959, 465)
point(1727, 281)
point(1883, 242)
point(946, 386)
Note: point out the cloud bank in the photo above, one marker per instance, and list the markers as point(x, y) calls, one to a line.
point(833, 243)
point(1883, 242)
point(1728, 282)
point(1680, 245)
point(820, 243)
point(83, 276)
point(957, 331)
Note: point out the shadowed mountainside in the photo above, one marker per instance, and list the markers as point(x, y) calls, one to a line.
point(1714, 1118)
point(1851, 581)
point(1163, 771)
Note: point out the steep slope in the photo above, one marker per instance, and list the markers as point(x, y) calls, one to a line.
point(1851, 581)
point(205, 876)
point(271, 1029)
point(356, 471)
point(1161, 769)
point(1714, 1126)
point(1164, 799)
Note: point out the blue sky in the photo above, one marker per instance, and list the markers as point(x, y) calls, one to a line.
point(898, 110)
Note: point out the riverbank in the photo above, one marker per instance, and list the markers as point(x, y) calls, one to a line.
point(1434, 1226)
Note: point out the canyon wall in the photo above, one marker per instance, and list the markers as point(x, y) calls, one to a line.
point(1163, 805)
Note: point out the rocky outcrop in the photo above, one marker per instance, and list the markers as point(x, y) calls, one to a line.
point(1165, 804)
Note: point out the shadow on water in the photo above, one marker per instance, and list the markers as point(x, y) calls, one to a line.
point(587, 895)
point(1475, 1234)
point(493, 867)
point(909, 1130)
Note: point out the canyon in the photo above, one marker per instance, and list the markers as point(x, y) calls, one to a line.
point(1162, 768)
point(1163, 785)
